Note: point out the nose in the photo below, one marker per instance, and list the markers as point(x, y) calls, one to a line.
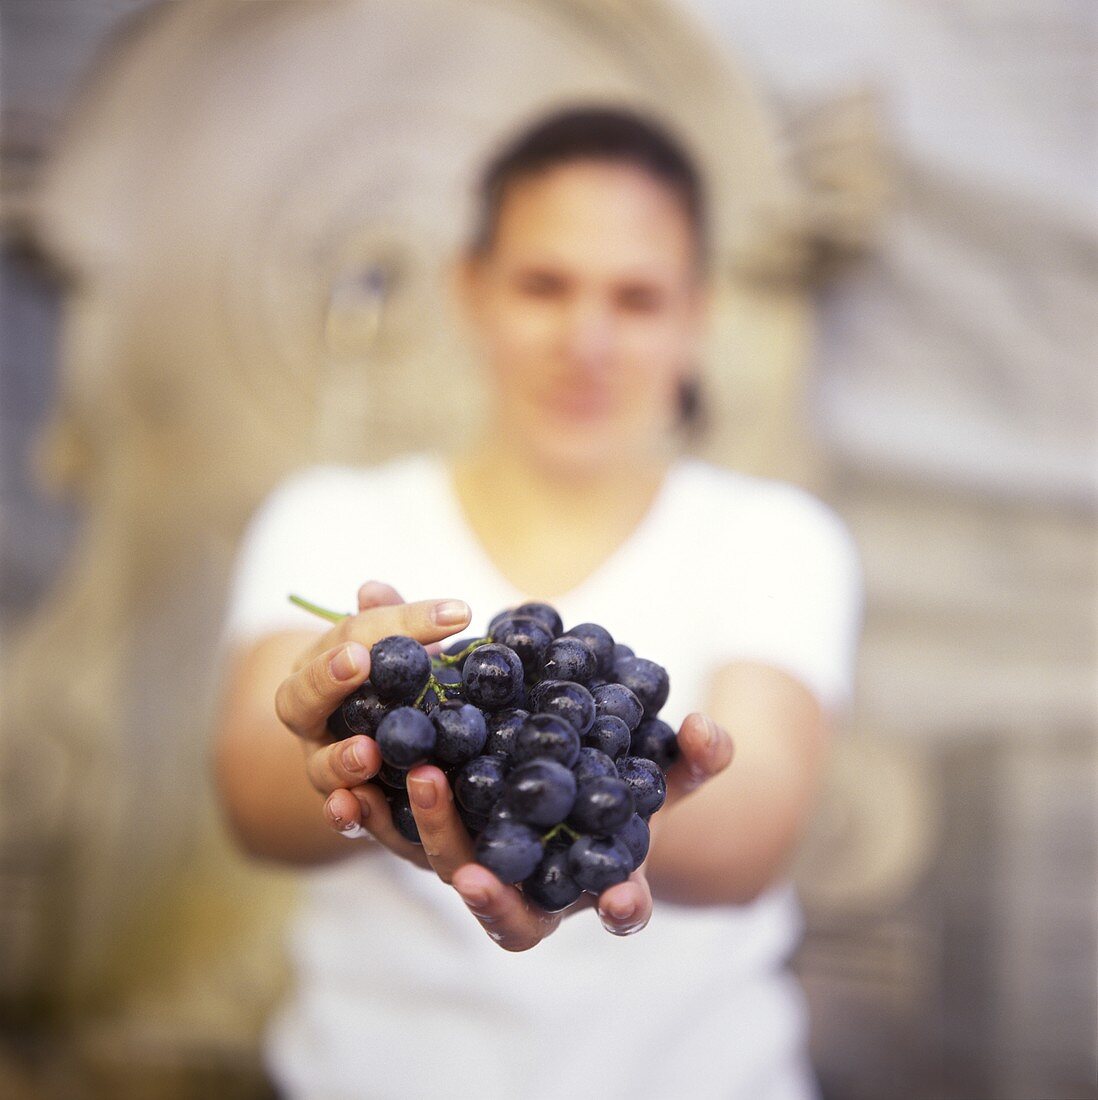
point(589, 334)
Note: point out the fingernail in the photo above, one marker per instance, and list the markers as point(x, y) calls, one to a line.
point(423, 793)
point(346, 663)
point(451, 612)
point(337, 819)
point(352, 759)
point(476, 900)
point(712, 733)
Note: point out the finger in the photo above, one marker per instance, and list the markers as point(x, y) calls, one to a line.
point(445, 839)
point(627, 907)
point(378, 594)
point(344, 764)
point(375, 817)
point(342, 811)
point(426, 621)
point(502, 911)
point(307, 696)
point(705, 750)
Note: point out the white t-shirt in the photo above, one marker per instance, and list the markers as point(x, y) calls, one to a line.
point(398, 991)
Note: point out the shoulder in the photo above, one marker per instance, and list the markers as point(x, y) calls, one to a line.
point(318, 489)
point(758, 509)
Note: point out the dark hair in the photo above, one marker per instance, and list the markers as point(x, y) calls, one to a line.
point(609, 134)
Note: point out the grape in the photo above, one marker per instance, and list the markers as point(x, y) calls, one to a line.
point(646, 781)
point(527, 636)
point(551, 887)
point(550, 740)
point(635, 836)
point(403, 818)
point(609, 734)
point(492, 676)
point(509, 849)
point(592, 763)
point(656, 740)
point(540, 793)
point(599, 641)
point(479, 783)
point(603, 805)
point(396, 778)
point(647, 680)
point(399, 667)
point(568, 659)
point(570, 701)
point(406, 737)
point(503, 727)
point(618, 700)
point(599, 862)
point(546, 735)
point(461, 732)
point(545, 614)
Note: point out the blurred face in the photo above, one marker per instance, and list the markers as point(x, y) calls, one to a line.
point(587, 309)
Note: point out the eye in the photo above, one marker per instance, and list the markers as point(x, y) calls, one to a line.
point(640, 298)
point(541, 284)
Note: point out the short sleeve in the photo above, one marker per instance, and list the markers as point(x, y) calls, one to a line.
point(798, 593)
point(284, 550)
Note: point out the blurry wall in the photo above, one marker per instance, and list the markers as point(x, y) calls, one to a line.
point(240, 305)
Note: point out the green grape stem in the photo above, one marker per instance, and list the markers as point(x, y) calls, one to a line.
point(455, 658)
point(316, 609)
point(556, 830)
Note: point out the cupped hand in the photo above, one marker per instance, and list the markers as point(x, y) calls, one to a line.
point(324, 675)
point(516, 924)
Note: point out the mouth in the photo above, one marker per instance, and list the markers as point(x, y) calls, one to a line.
point(583, 403)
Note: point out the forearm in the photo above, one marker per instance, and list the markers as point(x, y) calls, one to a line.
point(737, 836)
point(273, 810)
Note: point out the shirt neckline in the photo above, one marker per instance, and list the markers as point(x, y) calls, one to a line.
point(474, 550)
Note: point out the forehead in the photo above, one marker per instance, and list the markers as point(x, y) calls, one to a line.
point(601, 215)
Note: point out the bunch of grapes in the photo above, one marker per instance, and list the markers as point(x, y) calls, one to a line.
point(550, 739)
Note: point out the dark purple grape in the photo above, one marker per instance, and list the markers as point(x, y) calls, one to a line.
point(603, 805)
point(549, 736)
point(609, 734)
point(599, 862)
point(635, 836)
point(540, 792)
point(506, 613)
point(474, 823)
point(399, 667)
point(453, 649)
point(363, 710)
point(406, 737)
point(403, 818)
point(646, 680)
point(479, 783)
point(503, 727)
point(646, 781)
point(545, 614)
point(622, 651)
point(565, 699)
point(527, 637)
point(449, 679)
point(656, 740)
point(395, 778)
point(600, 642)
point(592, 763)
point(509, 849)
point(618, 700)
point(461, 732)
point(336, 725)
point(551, 887)
point(492, 676)
point(568, 659)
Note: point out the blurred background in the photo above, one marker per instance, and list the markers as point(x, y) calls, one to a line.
point(224, 228)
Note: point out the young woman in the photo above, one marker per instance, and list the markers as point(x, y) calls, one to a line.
point(585, 290)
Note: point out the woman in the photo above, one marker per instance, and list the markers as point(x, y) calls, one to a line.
point(585, 291)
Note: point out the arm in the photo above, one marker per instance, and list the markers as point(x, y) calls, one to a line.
point(732, 839)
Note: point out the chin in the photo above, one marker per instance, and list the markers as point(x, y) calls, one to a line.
point(578, 455)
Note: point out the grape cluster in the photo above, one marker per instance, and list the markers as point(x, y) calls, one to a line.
point(550, 739)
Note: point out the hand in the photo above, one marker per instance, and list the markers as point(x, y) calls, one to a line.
point(331, 669)
point(515, 924)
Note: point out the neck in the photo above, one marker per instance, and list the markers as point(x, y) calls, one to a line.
point(547, 529)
